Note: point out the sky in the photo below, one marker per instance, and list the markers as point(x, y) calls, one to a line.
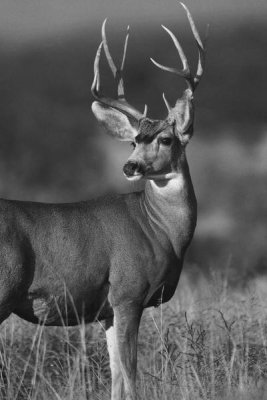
point(24, 20)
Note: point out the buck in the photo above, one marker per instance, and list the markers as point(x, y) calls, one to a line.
point(110, 258)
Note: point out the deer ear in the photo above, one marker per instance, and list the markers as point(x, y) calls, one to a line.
point(115, 123)
point(183, 114)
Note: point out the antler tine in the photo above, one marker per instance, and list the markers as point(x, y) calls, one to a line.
point(120, 72)
point(125, 47)
point(193, 26)
point(185, 72)
point(201, 47)
point(106, 48)
point(168, 69)
point(182, 55)
point(201, 60)
point(120, 104)
point(145, 111)
point(96, 82)
point(166, 102)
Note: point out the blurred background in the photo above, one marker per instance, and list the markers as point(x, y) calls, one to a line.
point(52, 150)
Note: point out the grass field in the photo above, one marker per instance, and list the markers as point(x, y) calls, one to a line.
point(207, 343)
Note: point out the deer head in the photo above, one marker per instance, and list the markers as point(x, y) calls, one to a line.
point(158, 144)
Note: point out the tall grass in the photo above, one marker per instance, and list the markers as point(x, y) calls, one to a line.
point(209, 342)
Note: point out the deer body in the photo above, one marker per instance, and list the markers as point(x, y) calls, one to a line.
point(55, 245)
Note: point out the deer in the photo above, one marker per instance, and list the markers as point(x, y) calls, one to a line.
point(109, 258)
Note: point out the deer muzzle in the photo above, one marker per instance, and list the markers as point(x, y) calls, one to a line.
point(133, 168)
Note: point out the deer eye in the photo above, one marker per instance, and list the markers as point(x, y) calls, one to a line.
point(167, 141)
point(133, 144)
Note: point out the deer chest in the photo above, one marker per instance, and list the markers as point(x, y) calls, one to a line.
point(164, 283)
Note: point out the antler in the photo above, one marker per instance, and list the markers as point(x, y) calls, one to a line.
point(119, 104)
point(192, 81)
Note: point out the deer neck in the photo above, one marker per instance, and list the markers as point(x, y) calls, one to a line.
point(171, 209)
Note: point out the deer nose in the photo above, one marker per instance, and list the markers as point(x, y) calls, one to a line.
point(131, 167)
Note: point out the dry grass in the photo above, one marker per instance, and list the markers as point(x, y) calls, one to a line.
point(217, 349)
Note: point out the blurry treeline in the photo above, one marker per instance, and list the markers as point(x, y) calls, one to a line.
point(51, 148)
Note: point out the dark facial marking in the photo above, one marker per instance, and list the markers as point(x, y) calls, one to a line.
point(149, 129)
point(166, 141)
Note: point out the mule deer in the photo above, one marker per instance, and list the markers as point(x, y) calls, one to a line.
point(108, 259)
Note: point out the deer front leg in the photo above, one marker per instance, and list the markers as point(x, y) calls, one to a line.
point(126, 323)
point(114, 361)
